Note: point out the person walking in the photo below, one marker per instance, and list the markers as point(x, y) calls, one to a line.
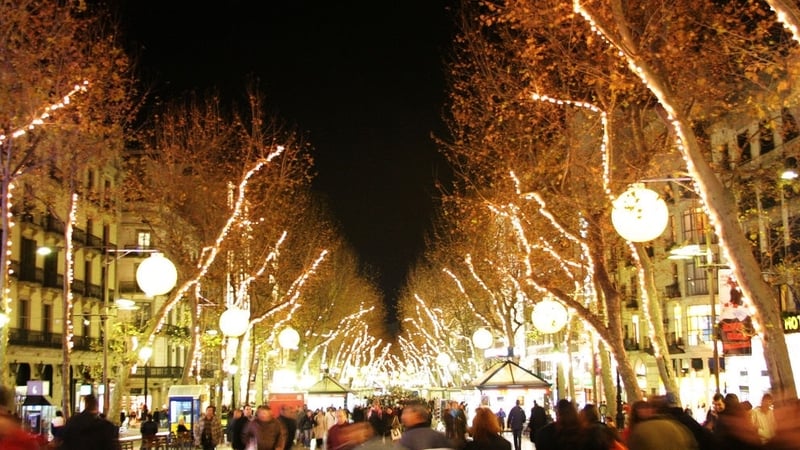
point(12, 436)
point(764, 418)
point(337, 434)
point(320, 430)
point(149, 428)
point(418, 434)
point(268, 432)
point(208, 430)
point(288, 418)
point(88, 430)
point(485, 432)
point(538, 419)
point(516, 421)
point(237, 430)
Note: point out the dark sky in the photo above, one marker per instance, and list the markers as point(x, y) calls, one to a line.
point(363, 78)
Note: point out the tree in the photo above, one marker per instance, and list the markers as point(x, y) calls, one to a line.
point(50, 53)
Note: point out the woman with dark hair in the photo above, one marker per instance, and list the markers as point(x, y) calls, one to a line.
point(600, 436)
point(735, 428)
point(567, 432)
point(485, 432)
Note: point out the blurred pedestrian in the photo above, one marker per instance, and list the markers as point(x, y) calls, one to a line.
point(764, 418)
point(337, 436)
point(208, 430)
point(734, 428)
point(87, 430)
point(12, 436)
point(485, 432)
point(288, 418)
point(652, 430)
point(516, 421)
point(567, 432)
point(418, 434)
point(268, 432)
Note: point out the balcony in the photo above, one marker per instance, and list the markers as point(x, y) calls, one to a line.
point(78, 236)
point(159, 372)
point(673, 290)
point(86, 343)
point(630, 344)
point(53, 225)
point(129, 287)
point(31, 274)
point(33, 338)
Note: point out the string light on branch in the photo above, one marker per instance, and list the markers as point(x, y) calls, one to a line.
point(39, 120)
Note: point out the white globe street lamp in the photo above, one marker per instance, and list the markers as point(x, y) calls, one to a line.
point(443, 359)
point(639, 214)
point(289, 338)
point(549, 316)
point(482, 338)
point(156, 275)
point(234, 322)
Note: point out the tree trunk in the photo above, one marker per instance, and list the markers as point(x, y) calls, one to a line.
point(609, 389)
point(724, 213)
point(655, 318)
point(789, 13)
point(613, 309)
point(5, 230)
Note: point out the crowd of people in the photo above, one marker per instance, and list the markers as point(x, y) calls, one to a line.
point(655, 424)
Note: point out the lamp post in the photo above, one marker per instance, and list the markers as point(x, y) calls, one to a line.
point(144, 355)
point(232, 369)
point(288, 339)
point(233, 323)
point(639, 214)
point(156, 275)
point(549, 316)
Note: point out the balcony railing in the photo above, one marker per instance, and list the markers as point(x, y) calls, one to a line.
point(158, 372)
point(630, 344)
point(32, 338)
point(672, 291)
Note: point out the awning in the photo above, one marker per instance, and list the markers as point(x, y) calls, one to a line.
point(508, 374)
point(36, 400)
point(327, 385)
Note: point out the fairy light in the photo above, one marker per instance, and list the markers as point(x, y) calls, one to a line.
point(292, 295)
point(73, 217)
point(6, 303)
point(46, 114)
point(604, 143)
point(784, 17)
point(698, 181)
point(209, 254)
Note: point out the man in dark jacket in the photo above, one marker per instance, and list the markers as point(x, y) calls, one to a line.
point(538, 419)
point(288, 418)
point(268, 432)
point(88, 430)
point(516, 421)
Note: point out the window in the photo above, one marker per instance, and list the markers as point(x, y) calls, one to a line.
point(696, 280)
point(24, 315)
point(47, 318)
point(698, 324)
point(27, 260)
point(790, 128)
point(694, 226)
point(743, 141)
point(766, 140)
point(143, 239)
point(678, 315)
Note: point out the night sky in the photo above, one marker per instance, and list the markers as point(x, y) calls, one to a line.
point(363, 79)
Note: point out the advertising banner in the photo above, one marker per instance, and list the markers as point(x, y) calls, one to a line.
point(735, 325)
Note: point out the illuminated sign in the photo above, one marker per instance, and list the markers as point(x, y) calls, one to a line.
point(791, 322)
